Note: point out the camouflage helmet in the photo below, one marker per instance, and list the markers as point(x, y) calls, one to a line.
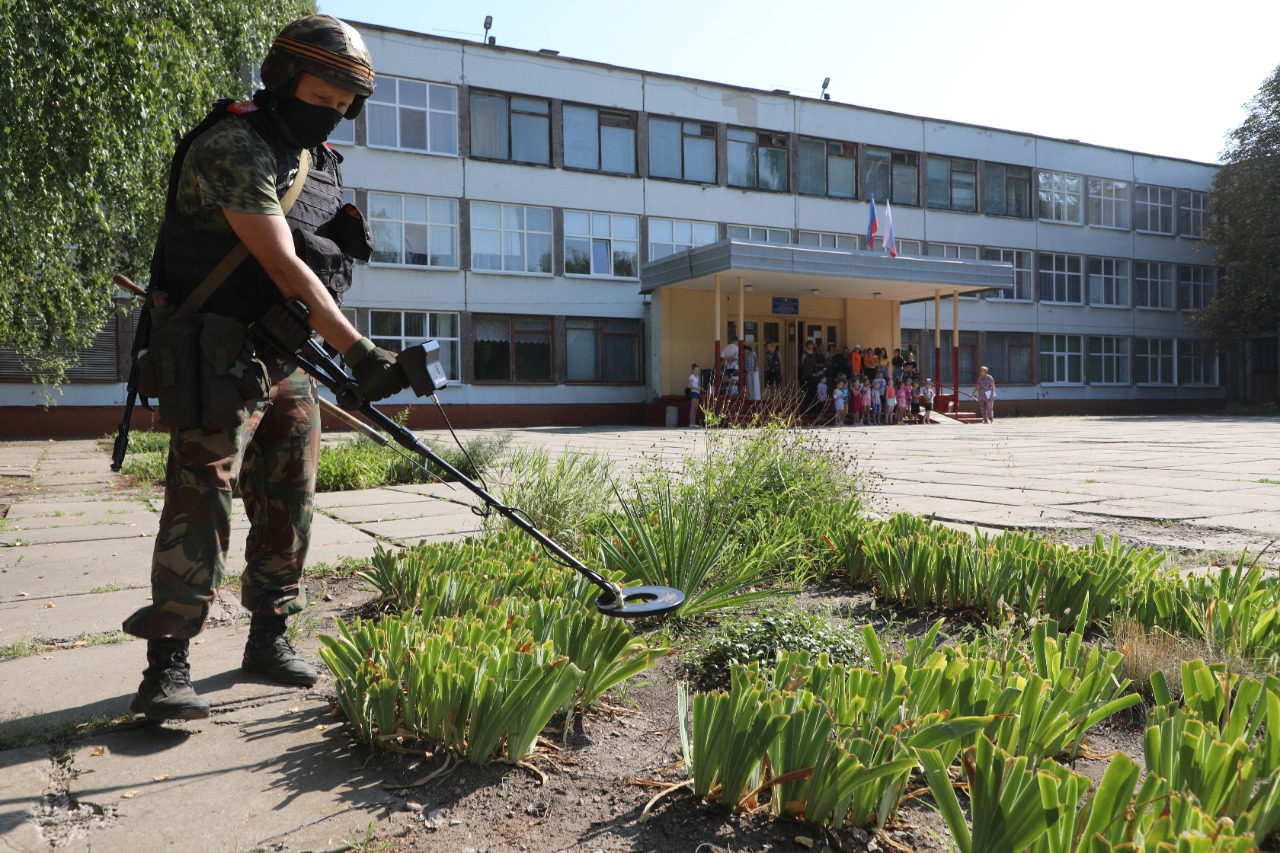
point(325, 47)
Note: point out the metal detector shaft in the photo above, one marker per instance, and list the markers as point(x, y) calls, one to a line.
point(318, 364)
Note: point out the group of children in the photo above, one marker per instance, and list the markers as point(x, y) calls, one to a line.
point(877, 402)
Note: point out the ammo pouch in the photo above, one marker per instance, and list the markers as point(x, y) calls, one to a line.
point(326, 260)
point(201, 369)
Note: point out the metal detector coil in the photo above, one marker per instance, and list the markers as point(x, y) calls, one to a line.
point(426, 376)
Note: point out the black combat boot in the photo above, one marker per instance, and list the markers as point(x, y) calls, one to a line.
point(165, 692)
point(270, 653)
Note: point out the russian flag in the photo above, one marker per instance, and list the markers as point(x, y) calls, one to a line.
point(872, 225)
point(890, 244)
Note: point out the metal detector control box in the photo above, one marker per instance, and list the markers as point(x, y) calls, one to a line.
point(421, 366)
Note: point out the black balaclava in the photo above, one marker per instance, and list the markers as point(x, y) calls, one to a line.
point(308, 124)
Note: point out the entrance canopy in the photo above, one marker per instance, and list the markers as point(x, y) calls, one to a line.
point(785, 270)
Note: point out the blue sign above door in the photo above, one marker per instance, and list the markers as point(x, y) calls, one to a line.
point(786, 305)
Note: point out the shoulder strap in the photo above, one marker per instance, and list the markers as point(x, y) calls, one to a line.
point(236, 256)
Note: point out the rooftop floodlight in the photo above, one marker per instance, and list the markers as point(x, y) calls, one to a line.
point(826, 81)
point(488, 24)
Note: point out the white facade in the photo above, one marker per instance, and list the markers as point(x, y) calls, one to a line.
point(1107, 239)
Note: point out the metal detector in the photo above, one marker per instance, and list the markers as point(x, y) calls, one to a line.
point(284, 331)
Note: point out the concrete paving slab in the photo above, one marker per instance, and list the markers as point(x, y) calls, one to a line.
point(24, 777)
point(33, 514)
point(68, 616)
point(73, 567)
point(988, 515)
point(423, 507)
point(101, 532)
point(1146, 510)
point(289, 779)
point(364, 497)
point(1267, 522)
point(412, 530)
point(79, 685)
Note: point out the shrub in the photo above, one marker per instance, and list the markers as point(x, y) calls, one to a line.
point(566, 499)
point(363, 464)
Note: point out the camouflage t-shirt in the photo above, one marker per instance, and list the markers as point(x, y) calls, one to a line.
point(229, 166)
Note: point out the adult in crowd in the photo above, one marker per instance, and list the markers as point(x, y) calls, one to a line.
point(772, 367)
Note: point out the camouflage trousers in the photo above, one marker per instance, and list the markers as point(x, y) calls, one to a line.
point(273, 457)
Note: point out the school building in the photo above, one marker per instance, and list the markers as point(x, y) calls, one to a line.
point(575, 234)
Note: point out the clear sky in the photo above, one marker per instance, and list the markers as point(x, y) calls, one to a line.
point(1168, 77)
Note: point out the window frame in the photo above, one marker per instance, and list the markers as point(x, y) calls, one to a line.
point(600, 327)
point(510, 113)
point(546, 328)
point(1008, 186)
point(600, 116)
point(1196, 291)
point(768, 236)
point(503, 230)
point(1118, 282)
point(1107, 350)
point(832, 151)
point(1107, 204)
point(1060, 277)
point(1168, 288)
point(450, 345)
point(685, 137)
point(678, 246)
point(830, 240)
point(1054, 192)
point(373, 104)
point(1144, 359)
point(1195, 359)
point(1023, 276)
point(596, 222)
point(1061, 357)
point(1193, 213)
point(428, 224)
point(1002, 362)
point(947, 184)
point(758, 151)
point(1144, 205)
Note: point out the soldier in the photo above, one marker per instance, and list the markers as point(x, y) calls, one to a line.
point(225, 189)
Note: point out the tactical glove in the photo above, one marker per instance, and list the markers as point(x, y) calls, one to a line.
point(375, 370)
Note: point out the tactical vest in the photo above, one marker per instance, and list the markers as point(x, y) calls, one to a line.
point(185, 256)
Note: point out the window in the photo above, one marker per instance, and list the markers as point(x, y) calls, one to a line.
point(953, 184)
point(414, 230)
point(1108, 361)
point(1109, 282)
point(600, 140)
point(825, 240)
point(601, 244)
point(953, 251)
point(828, 168)
point(893, 175)
point(1060, 197)
point(1153, 361)
point(1061, 361)
point(399, 330)
point(1197, 363)
point(668, 236)
point(968, 352)
point(1021, 273)
point(910, 248)
point(344, 133)
point(1008, 354)
point(512, 349)
point(754, 234)
point(757, 160)
point(510, 238)
point(413, 116)
point(1192, 210)
point(1061, 279)
point(684, 150)
point(603, 350)
point(510, 127)
point(1006, 190)
point(1153, 285)
point(1108, 203)
point(1196, 286)
point(1153, 209)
